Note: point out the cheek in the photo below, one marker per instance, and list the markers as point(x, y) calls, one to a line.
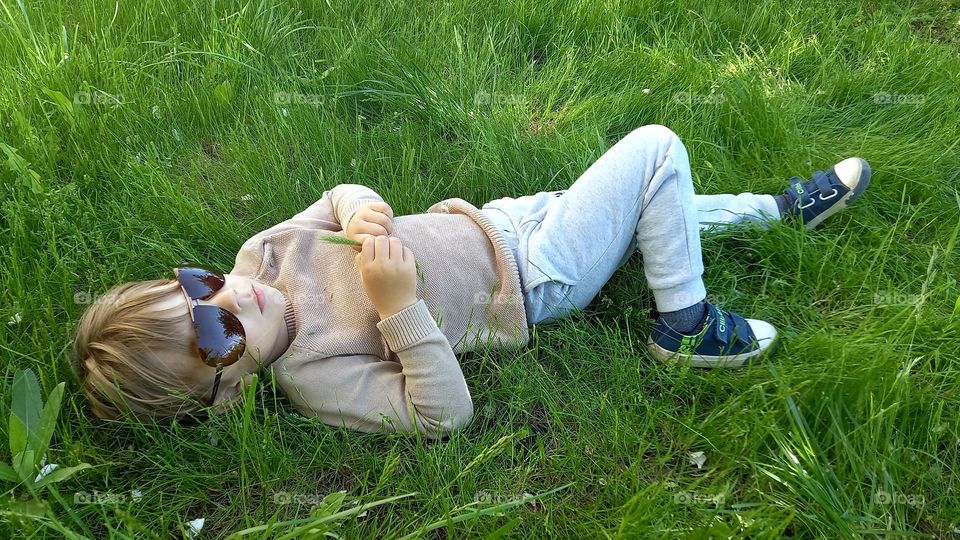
point(274, 297)
point(258, 337)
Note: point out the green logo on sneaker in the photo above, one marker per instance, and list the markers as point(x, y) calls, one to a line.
point(687, 345)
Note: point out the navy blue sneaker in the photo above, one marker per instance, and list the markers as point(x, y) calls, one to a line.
point(726, 340)
point(827, 192)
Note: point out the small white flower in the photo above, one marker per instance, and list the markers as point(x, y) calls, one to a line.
point(45, 470)
point(17, 317)
point(646, 90)
point(698, 459)
point(155, 110)
point(284, 112)
point(247, 197)
point(136, 494)
point(194, 527)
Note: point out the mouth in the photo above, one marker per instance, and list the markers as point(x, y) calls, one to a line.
point(261, 300)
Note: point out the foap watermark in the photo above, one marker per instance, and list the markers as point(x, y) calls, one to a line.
point(497, 98)
point(686, 299)
point(484, 299)
point(693, 98)
point(487, 497)
point(305, 499)
point(97, 98)
point(86, 297)
point(895, 298)
point(895, 497)
point(296, 98)
point(106, 497)
point(695, 498)
point(888, 98)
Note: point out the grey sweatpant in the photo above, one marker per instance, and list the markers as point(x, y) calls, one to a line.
point(637, 195)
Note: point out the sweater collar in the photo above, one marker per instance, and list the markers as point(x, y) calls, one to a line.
point(289, 319)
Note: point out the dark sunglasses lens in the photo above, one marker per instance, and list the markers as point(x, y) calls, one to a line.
point(220, 335)
point(200, 283)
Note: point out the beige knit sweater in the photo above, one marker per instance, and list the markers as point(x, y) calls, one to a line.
point(348, 367)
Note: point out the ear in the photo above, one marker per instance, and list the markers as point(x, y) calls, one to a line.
point(232, 394)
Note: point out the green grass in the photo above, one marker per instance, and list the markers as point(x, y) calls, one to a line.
point(137, 137)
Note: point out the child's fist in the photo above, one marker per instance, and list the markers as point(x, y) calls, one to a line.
point(368, 221)
point(388, 273)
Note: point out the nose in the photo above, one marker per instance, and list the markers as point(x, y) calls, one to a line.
point(227, 299)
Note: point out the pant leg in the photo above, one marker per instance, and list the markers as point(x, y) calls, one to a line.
point(570, 242)
point(721, 211)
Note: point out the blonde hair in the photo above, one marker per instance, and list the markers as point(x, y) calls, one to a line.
point(117, 351)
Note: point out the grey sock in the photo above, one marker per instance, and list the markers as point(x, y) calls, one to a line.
point(688, 320)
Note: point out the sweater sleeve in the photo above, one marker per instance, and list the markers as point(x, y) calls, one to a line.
point(425, 391)
point(336, 205)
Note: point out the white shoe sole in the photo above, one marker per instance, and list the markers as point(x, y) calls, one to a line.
point(766, 338)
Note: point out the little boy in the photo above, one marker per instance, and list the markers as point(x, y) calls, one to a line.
point(365, 336)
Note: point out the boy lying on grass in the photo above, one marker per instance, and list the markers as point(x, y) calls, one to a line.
point(365, 336)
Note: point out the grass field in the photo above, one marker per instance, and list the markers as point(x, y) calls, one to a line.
point(137, 137)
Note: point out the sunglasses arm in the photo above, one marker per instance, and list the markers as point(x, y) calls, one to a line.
point(216, 383)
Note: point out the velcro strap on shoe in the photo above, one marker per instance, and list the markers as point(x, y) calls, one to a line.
point(823, 181)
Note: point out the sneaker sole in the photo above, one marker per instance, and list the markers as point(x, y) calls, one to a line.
point(846, 200)
point(699, 360)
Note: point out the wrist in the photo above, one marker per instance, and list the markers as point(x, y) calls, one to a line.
point(387, 312)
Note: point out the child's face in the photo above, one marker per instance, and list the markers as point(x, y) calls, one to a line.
point(265, 330)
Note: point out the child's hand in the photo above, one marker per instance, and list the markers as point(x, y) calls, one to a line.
point(388, 274)
point(368, 221)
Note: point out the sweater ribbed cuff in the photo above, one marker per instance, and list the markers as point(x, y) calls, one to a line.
point(350, 209)
point(407, 326)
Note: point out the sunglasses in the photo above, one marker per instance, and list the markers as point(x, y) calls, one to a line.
point(220, 338)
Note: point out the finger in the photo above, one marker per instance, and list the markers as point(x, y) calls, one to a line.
point(382, 245)
point(373, 229)
point(367, 253)
point(396, 248)
point(378, 219)
point(384, 208)
point(362, 238)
